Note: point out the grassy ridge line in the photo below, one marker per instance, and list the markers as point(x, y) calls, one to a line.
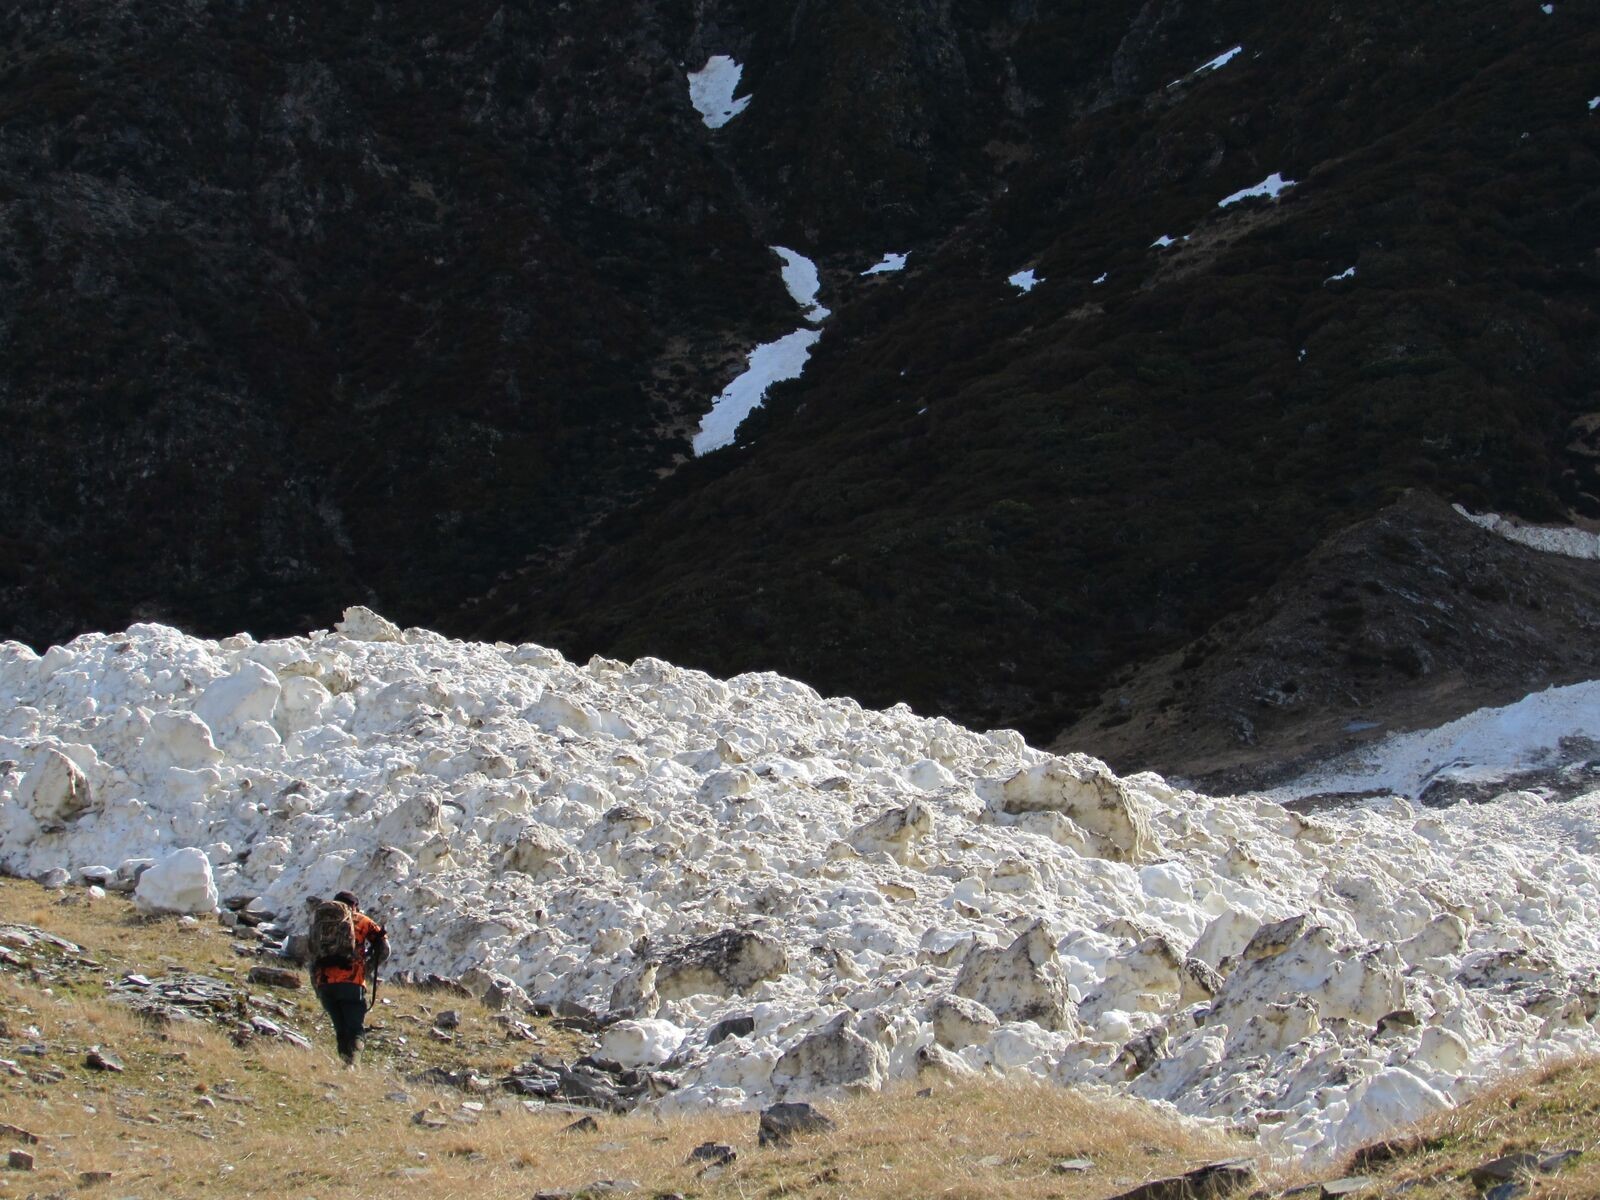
point(193, 1114)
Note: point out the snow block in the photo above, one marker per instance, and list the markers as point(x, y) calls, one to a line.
point(180, 883)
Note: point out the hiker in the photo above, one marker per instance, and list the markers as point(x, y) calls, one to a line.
point(343, 944)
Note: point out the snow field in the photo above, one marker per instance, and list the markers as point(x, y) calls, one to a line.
point(880, 895)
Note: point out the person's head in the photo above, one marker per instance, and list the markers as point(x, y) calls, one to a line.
point(347, 898)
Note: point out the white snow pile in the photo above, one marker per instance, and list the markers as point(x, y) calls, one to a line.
point(711, 91)
point(1552, 539)
point(1162, 242)
point(1347, 273)
point(801, 278)
point(880, 895)
point(1025, 281)
point(1271, 187)
point(888, 264)
point(1594, 104)
point(768, 364)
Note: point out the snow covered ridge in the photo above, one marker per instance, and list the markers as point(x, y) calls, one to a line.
point(875, 894)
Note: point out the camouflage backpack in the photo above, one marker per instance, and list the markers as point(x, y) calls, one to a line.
point(332, 941)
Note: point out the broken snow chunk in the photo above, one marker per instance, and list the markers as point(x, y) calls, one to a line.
point(180, 883)
point(734, 960)
point(711, 91)
point(1102, 277)
point(1271, 187)
point(644, 1043)
point(1085, 790)
point(1025, 281)
point(959, 1022)
point(1021, 982)
point(363, 625)
point(1163, 242)
point(1347, 273)
point(894, 831)
point(834, 1056)
point(54, 789)
point(888, 264)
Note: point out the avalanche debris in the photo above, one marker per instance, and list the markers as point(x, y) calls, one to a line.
point(757, 894)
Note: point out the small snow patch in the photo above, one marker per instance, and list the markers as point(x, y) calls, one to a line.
point(1101, 278)
point(1221, 60)
point(1272, 186)
point(889, 263)
point(1548, 9)
point(1552, 539)
point(1164, 241)
point(769, 364)
point(801, 278)
point(1594, 104)
point(1025, 281)
point(1347, 273)
point(711, 91)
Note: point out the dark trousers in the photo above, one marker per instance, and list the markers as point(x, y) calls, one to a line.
point(346, 1003)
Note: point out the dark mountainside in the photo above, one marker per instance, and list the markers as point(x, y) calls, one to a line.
point(302, 309)
point(988, 504)
point(307, 303)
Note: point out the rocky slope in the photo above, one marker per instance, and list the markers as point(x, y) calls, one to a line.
point(1400, 622)
point(301, 308)
point(764, 894)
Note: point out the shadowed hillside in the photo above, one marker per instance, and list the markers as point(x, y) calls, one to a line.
point(305, 308)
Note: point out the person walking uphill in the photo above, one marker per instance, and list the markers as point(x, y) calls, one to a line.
point(342, 944)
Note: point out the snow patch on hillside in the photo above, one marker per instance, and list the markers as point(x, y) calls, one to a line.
point(1563, 540)
point(1025, 281)
point(768, 364)
point(1487, 746)
point(1221, 60)
point(883, 896)
point(711, 91)
point(1271, 187)
point(889, 263)
point(801, 278)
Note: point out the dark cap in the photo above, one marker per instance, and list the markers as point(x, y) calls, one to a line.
point(347, 898)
